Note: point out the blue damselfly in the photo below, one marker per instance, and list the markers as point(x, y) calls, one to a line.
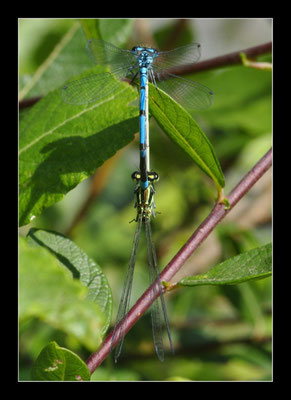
point(146, 64)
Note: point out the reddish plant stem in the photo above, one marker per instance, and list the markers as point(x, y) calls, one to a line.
point(201, 233)
point(212, 63)
point(222, 61)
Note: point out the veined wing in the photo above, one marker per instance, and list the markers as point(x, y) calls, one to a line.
point(118, 333)
point(187, 54)
point(105, 53)
point(92, 88)
point(95, 87)
point(190, 94)
point(158, 294)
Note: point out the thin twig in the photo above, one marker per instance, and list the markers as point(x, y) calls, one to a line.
point(216, 215)
point(212, 63)
point(223, 61)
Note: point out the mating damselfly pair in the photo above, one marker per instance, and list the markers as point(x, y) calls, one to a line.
point(145, 64)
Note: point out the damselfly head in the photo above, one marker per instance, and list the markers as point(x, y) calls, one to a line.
point(139, 49)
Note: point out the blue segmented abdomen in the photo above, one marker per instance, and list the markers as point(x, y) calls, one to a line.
point(142, 122)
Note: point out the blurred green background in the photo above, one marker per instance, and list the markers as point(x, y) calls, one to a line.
point(219, 333)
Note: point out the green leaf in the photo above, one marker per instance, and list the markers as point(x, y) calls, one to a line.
point(80, 265)
point(115, 31)
point(91, 28)
point(56, 363)
point(68, 59)
point(178, 124)
point(243, 99)
point(49, 293)
point(253, 264)
point(60, 145)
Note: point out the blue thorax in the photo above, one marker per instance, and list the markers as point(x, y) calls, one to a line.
point(145, 55)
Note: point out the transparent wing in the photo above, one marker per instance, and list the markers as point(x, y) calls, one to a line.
point(92, 88)
point(182, 55)
point(95, 87)
point(190, 94)
point(118, 333)
point(105, 53)
point(158, 294)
